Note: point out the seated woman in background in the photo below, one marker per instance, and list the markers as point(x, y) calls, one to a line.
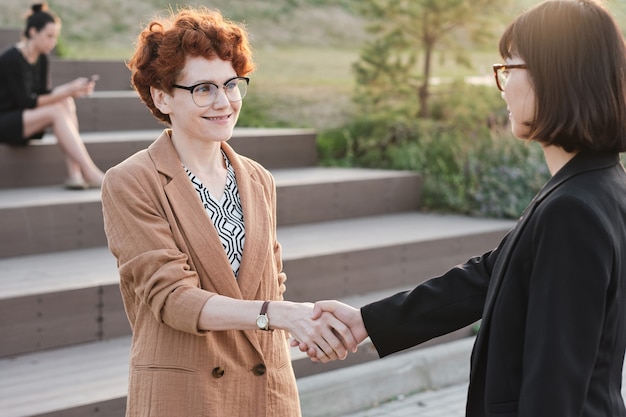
point(28, 106)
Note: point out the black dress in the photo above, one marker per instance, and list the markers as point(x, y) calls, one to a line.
point(20, 84)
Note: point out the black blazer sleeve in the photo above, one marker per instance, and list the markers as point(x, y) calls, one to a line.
point(436, 307)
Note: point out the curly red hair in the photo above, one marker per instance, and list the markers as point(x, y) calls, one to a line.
point(163, 46)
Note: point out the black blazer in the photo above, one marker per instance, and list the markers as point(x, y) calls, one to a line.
point(551, 297)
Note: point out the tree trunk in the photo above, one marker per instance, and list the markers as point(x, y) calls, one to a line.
point(424, 93)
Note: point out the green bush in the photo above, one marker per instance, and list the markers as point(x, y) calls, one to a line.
point(254, 113)
point(469, 160)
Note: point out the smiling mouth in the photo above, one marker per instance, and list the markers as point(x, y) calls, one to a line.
point(217, 118)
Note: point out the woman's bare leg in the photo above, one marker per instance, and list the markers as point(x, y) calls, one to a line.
point(62, 118)
point(73, 168)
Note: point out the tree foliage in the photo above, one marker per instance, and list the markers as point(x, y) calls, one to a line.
point(394, 70)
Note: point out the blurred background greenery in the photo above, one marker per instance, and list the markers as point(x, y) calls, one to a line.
point(366, 76)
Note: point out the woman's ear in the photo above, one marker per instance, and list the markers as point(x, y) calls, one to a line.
point(32, 31)
point(161, 100)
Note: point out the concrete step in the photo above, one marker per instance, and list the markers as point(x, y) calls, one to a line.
point(73, 297)
point(395, 377)
point(42, 162)
point(51, 218)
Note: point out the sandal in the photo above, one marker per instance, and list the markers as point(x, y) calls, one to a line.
point(73, 184)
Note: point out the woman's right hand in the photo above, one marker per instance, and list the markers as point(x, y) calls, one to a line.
point(328, 336)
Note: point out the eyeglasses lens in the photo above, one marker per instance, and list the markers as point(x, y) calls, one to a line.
point(205, 94)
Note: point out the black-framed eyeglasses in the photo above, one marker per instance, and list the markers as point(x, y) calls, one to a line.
point(205, 94)
point(501, 73)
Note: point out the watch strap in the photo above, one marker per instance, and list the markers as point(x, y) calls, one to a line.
point(264, 308)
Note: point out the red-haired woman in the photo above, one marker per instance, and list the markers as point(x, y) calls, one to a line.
point(28, 106)
point(193, 227)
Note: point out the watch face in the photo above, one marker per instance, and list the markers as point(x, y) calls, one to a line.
point(261, 321)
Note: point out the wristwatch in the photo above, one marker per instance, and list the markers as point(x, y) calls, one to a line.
point(262, 320)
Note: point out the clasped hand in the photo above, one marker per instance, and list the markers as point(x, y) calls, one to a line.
point(333, 330)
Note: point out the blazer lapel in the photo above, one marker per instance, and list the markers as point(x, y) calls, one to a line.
point(582, 162)
point(193, 222)
point(257, 224)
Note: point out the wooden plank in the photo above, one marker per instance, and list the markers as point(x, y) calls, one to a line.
point(114, 322)
point(53, 227)
point(290, 148)
point(34, 323)
point(114, 75)
point(42, 162)
point(9, 36)
point(114, 111)
point(331, 194)
point(78, 378)
point(344, 274)
point(402, 249)
point(71, 220)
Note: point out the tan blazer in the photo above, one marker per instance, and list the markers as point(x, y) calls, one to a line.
point(171, 262)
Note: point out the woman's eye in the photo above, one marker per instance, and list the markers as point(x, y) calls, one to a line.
point(205, 89)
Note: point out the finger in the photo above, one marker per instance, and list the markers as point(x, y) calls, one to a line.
point(325, 351)
point(317, 312)
point(312, 354)
point(343, 332)
point(335, 343)
point(303, 347)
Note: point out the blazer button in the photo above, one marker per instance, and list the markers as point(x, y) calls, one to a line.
point(259, 369)
point(218, 372)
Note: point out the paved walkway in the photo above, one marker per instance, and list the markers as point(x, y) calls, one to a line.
point(445, 402)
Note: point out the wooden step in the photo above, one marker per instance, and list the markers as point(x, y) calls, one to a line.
point(345, 258)
point(91, 379)
point(78, 381)
point(114, 111)
point(73, 297)
point(42, 162)
point(48, 219)
point(9, 36)
point(113, 74)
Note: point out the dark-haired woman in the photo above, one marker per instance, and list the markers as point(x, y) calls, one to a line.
point(28, 106)
point(193, 227)
point(552, 295)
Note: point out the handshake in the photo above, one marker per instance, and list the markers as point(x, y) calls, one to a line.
point(329, 332)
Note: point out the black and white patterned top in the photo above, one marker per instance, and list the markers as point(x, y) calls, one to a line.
point(226, 214)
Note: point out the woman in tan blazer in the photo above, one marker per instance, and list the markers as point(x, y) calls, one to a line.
point(193, 227)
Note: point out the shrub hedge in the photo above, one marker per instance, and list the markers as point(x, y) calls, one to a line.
point(469, 160)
